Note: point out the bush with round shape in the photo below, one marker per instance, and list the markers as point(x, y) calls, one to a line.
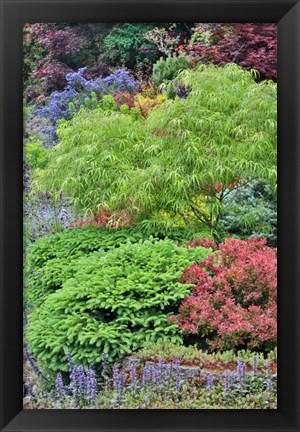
point(52, 259)
point(112, 302)
point(251, 209)
point(166, 70)
point(234, 303)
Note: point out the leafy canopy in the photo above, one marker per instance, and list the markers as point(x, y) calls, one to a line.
point(183, 158)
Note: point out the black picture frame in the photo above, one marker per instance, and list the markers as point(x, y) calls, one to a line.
point(14, 13)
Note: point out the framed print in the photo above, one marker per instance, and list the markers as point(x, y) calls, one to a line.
point(149, 219)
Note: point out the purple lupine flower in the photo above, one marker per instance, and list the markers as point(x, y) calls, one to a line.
point(59, 386)
point(209, 382)
point(132, 372)
point(241, 371)
point(91, 385)
point(255, 360)
point(81, 381)
point(147, 374)
point(121, 383)
point(228, 383)
point(115, 376)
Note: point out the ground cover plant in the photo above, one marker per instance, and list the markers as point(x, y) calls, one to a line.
point(150, 221)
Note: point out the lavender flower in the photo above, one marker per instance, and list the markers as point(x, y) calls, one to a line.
point(132, 372)
point(81, 381)
point(241, 371)
point(115, 376)
point(91, 385)
point(59, 386)
point(209, 382)
point(146, 374)
point(121, 383)
point(228, 382)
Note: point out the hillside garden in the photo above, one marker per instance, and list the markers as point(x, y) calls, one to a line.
point(150, 221)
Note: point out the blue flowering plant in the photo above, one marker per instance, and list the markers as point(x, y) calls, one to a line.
point(63, 104)
point(161, 385)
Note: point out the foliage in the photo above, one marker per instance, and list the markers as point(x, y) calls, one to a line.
point(146, 104)
point(250, 45)
point(191, 355)
point(110, 301)
point(35, 154)
point(52, 50)
point(251, 209)
point(166, 70)
point(51, 257)
point(234, 302)
point(105, 219)
point(184, 159)
point(127, 45)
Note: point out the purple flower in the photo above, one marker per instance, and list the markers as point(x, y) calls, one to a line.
point(115, 376)
point(176, 365)
point(241, 371)
point(132, 372)
point(255, 360)
point(209, 381)
point(59, 386)
point(147, 374)
point(228, 382)
point(91, 385)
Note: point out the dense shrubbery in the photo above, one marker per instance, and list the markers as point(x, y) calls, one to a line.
point(234, 302)
point(50, 259)
point(109, 301)
point(195, 146)
point(150, 168)
point(251, 46)
point(166, 70)
point(251, 209)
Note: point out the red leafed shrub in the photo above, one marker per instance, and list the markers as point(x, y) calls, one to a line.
point(234, 302)
point(105, 219)
point(124, 98)
point(52, 75)
point(207, 243)
point(250, 45)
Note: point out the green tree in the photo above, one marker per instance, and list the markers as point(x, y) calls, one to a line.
point(183, 159)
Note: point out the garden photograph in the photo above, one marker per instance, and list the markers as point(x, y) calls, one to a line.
point(150, 216)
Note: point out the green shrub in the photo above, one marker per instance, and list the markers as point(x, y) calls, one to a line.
point(251, 210)
point(35, 155)
point(166, 70)
point(111, 302)
point(51, 260)
point(169, 351)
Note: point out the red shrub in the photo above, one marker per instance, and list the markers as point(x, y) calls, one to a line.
point(250, 45)
point(105, 219)
point(124, 98)
point(234, 301)
point(207, 243)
